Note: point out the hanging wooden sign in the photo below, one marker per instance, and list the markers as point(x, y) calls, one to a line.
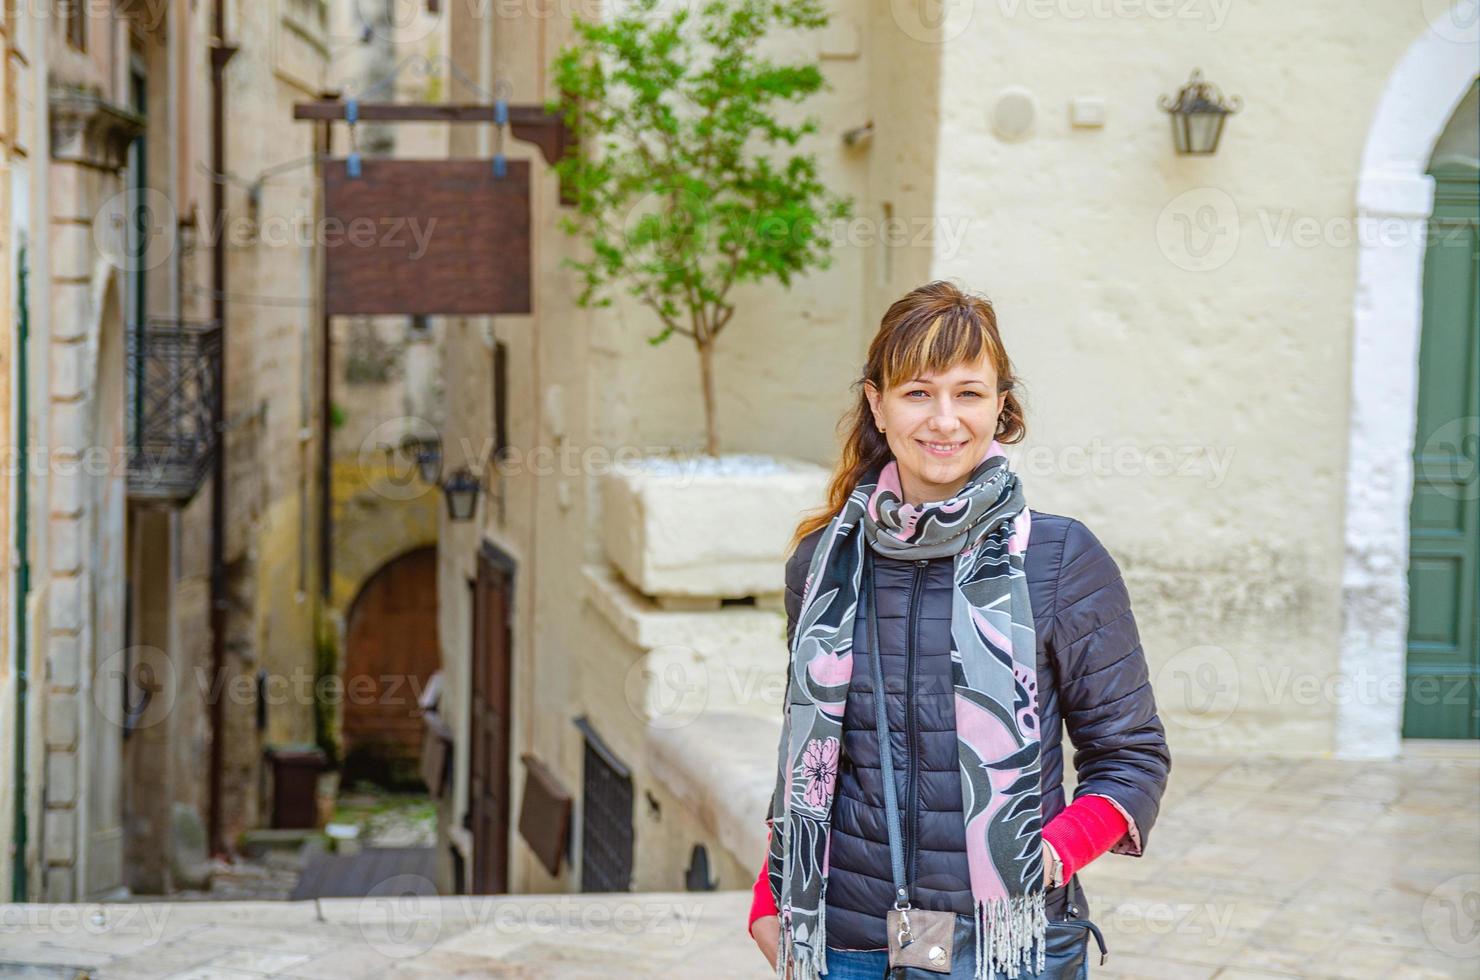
point(426, 236)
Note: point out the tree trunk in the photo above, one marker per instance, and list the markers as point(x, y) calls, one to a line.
point(706, 377)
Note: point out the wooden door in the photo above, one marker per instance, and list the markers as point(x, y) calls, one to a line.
point(390, 653)
point(493, 605)
point(1443, 674)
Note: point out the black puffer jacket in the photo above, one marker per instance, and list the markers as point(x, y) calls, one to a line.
point(1092, 677)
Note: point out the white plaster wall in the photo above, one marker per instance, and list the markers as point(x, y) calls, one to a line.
point(1184, 310)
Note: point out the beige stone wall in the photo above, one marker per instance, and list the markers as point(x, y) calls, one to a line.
point(81, 837)
point(94, 540)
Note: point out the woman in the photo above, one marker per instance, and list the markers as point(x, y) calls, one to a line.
point(992, 624)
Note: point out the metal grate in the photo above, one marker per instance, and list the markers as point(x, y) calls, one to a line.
point(606, 818)
point(174, 370)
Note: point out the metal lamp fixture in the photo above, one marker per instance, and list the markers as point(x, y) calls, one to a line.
point(427, 451)
point(1197, 115)
point(461, 490)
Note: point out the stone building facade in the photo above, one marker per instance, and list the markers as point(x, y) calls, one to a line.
point(177, 624)
point(112, 758)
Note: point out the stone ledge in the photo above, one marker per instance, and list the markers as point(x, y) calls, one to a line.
point(707, 527)
point(682, 664)
point(642, 622)
point(725, 766)
point(89, 129)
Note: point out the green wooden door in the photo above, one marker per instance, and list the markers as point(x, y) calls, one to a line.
point(1443, 676)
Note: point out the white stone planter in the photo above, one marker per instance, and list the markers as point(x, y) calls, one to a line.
point(707, 527)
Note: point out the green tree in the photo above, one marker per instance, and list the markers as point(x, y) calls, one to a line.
point(687, 182)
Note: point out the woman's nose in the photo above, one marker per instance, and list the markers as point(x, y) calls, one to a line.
point(944, 420)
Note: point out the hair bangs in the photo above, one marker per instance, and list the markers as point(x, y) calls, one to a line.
point(936, 343)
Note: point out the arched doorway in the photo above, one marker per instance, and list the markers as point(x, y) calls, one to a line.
point(1394, 199)
point(390, 653)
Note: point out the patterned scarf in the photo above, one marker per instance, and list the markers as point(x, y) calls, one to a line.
point(993, 666)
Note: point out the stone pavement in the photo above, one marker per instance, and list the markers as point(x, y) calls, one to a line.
point(1259, 868)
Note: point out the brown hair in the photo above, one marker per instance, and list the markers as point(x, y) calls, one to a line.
point(931, 329)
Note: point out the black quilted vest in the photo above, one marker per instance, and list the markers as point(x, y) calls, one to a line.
point(914, 608)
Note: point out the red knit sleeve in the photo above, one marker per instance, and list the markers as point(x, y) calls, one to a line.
point(761, 902)
point(1084, 830)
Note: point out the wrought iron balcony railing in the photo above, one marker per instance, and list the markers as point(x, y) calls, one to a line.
point(174, 372)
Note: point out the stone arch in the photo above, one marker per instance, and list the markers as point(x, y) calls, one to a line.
point(1393, 202)
point(380, 513)
point(377, 516)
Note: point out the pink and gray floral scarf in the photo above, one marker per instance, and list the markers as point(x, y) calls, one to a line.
point(994, 665)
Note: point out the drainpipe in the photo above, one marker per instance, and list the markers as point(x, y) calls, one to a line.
point(221, 53)
point(22, 581)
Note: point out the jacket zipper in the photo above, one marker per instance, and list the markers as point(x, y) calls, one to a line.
point(911, 628)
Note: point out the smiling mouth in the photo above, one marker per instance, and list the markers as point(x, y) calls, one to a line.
point(941, 448)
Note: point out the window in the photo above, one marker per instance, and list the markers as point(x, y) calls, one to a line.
point(606, 818)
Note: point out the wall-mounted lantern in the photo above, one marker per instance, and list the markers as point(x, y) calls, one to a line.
point(427, 451)
point(461, 490)
point(1197, 115)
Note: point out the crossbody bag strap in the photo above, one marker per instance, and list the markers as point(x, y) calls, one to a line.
point(881, 728)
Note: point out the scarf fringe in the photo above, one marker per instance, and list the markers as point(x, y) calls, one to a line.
point(1007, 929)
point(809, 961)
point(1010, 938)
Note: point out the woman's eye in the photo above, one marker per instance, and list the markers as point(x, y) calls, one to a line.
point(922, 391)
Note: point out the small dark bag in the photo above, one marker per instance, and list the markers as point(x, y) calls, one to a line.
point(927, 944)
point(1066, 947)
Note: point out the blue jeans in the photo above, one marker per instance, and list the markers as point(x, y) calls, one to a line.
point(872, 964)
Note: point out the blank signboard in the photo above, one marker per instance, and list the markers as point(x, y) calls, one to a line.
point(426, 236)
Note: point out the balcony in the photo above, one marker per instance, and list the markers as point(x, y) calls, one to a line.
point(174, 371)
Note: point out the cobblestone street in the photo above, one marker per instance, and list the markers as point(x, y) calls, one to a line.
point(1261, 868)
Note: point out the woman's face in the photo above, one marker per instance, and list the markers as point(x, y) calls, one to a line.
point(939, 427)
